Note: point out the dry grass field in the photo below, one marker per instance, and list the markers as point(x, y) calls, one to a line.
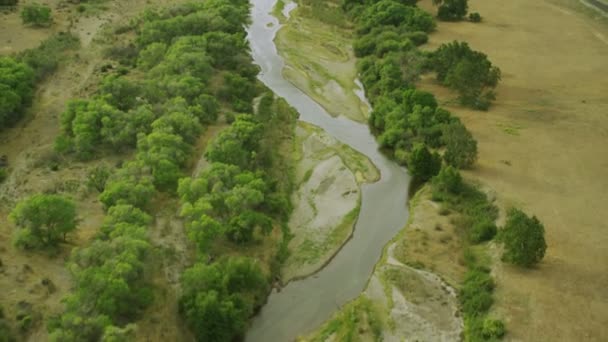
point(543, 147)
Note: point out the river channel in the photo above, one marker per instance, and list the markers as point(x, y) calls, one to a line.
point(303, 305)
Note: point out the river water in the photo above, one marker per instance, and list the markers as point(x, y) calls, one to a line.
point(303, 305)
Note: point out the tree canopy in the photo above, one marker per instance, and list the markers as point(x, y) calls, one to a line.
point(44, 220)
point(524, 239)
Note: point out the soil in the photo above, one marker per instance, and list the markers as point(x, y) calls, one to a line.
point(542, 148)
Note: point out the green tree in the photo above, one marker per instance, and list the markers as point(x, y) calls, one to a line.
point(44, 220)
point(524, 239)
point(36, 14)
point(448, 181)
point(423, 164)
point(461, 147)
point(451, 10)
point(16, 89)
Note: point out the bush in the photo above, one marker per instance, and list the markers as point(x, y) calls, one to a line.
point(493, 329)
point(474, 17)
point(45, 58)
point(447, 181)
point(451, 10)
point(97, 178)
point(44, 220)
point(423, 164)
point(482, 231)
point(476, 293)
point(8, 2)
point(524, 239)
point(36, 14)
point(461, 147)
point(16, 90)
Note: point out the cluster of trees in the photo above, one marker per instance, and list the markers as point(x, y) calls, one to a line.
point(195, 64)
point(219, 298)
point(409, 123)
point(235, 199)
point(468, 72)
point(16, 89)
point(19, 75)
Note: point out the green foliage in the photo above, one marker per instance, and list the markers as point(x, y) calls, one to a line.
point(45, 58)
point(16, 89)
point(44, 220)
point(524, 239)
point(132, 184)
point(474, 17)
point(468, 72)
point(224, 201)
point(238, 144)
point(97, 178)
point(493, 329)
point(219, 298)
point(482, 231)
point(423, 164)
point(451, 10)
point(8, 2)
point(448, 181)
point(36, 15)
point(461, 147)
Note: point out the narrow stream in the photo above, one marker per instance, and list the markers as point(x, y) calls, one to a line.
point(303, 305)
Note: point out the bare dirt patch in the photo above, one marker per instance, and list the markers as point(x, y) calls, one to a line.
point(542, 147)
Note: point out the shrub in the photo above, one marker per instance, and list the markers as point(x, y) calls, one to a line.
point(423, 164)
point(45, 58)
point(98, 177)
point(447, 181)
point(474, 17)
point(44, 220)
point(451, 10)
point(493, 329)
point(482, 231)
point(8, 2)
point(16, 89)
point(36, 14)
point(524, 239)
point(461, 147)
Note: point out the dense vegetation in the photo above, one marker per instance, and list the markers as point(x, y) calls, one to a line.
point(405, 119)
point(19, 75)
point(475, 220)
point(238, 199)
point(191, 65)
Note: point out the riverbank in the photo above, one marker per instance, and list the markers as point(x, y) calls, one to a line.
point(327, 200)
point(403, 297)
point(319, 60)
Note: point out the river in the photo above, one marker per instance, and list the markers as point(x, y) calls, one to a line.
point(303, 305)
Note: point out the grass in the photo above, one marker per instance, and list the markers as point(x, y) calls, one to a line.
point(318, 54)
point(359, 320)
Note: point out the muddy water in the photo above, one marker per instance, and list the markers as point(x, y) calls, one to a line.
point(303, 305)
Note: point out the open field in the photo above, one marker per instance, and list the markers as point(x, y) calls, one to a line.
point(543, 147)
